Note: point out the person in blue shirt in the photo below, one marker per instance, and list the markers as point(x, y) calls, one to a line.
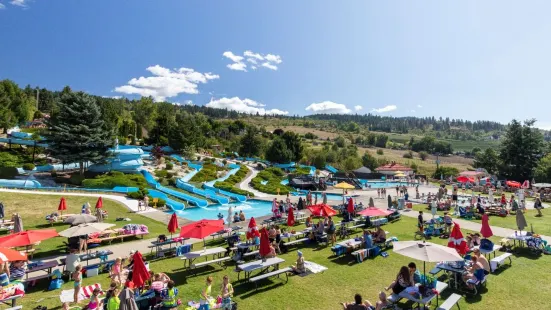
point(415, 274)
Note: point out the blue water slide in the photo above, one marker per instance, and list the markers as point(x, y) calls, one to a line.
point(20, 135)
point(285, 166)
point(173, 204)
point(22, 142)
point(20, 183)
point(210, 188)
point(118, 165)
point(212, 195)
point(331, 169)
point(152, 182)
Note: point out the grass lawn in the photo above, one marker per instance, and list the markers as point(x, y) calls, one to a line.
point(542, 225)
point(34, 208)
point(522, 283)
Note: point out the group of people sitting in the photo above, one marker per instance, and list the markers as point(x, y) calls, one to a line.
point(322, 227)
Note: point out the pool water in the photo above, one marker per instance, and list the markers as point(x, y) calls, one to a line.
point(251, 208)
point(330, 196)
point(381, 184)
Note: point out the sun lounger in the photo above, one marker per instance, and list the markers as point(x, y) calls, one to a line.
point(271, 274)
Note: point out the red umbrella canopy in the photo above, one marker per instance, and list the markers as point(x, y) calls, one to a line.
point(62, 205)
point(457, 241)
point(350, 207)
point(264, 243)
point(486, 230)
point(201, 229)
point(139, 271)
point(173, 224)
point(28, 237)
point(373, 211)
point(512, 183)
point(99, 203)
point(253, 230)
point(9, 255)
point(291, 217)
point(322, 210)
point(464, 179)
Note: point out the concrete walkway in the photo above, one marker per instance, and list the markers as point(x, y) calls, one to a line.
point(245, 184)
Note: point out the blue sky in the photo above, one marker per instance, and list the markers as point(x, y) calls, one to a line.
point(466, 59)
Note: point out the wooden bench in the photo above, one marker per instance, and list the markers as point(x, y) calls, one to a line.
point(218, 261)
point(450, 302)
point(498, 261)
point(32, 281)
point(295, 241)
point(271, 274)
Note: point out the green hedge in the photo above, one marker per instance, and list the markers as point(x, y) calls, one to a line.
point(160, 203)
point(114, 178)
point(139, 194)
point(208, 173)
point(8, 172)
point(28, 166)
point(229, 184)
point(274, 176)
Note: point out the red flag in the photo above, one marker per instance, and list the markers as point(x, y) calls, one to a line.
point(350, 207)
point(322, 210)
point(264, 243)
point(291, 217)
point(457, 241)
point(99, 203)
point(62, 204)
point(173, 224)
point(486, 230)
point(139, 271)
point(253, 230)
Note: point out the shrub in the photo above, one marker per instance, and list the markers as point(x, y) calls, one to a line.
point(273, 176)
point(161, 173)
point(160, 202)
point(169, 166)
point(208, 173)
point(225, 162)
point(172, 181)
point(423, 155)
point(53, 173)
point(8, 172)
point(140, 194)
point(230, 182)
point(408, 155)
point(169, 175)
point(116, 178)
point(445, 172)
point(380, 152)
point(28, 166)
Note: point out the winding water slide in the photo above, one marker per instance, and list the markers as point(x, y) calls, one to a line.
point(152, 182)
point(173, 204)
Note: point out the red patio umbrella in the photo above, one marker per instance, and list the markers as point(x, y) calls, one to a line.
point(26, 238)
point(486, 230)
point(373, 211)
point(139, 271)
point(62, 205)
point(291, 217)
point(173, 224)
point(201, 229)
point(322, 210)
point(464, 179)
point(99, 203)
point(350, 207)
point(264, 243)
point(513, 184)
point(9, 255)
point(457, 241)
point(253, 229)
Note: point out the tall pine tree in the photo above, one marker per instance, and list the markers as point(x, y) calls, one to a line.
point(76, 131)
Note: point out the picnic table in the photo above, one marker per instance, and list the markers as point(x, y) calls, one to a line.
point(488, 253)
point(158, 246)
point(90, 256)
point(296, 235)
point(43, 266)
point(192, 256)
point(262, 265)
point(440, 287)
point(521, 237)
point(451, 269)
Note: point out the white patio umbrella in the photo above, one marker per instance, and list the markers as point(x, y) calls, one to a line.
point(85, 229)
point(80, 219)
point(230, 211)
point(426, 252)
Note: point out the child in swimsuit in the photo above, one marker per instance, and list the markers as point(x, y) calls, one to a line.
point(77, 277)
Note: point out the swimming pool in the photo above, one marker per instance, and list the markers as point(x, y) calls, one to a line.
point(251, 208)
point(381, 184)
point(330, 196)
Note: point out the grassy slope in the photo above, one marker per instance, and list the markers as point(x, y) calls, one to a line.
point(34, 208)
point(341, 281)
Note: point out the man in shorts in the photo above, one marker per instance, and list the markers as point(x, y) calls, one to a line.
point(454, 200)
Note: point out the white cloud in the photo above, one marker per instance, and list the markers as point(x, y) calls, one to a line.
point(21, 3)
point(419, 106)
point(269, 61)
point(269, 66)
point(358, 107)
point(388, 108)
point(113, 97)
point(185, 102)
point(328, 107)
point(243, 105)
point(166, 83)
point(2, 6)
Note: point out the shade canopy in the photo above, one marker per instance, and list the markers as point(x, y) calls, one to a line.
point(291, 217)
point(62, 205)
point(26, 238)
point(464, 179)
point(173, 224)
point(322, 210)
point(362, 170)
point(344, 185)
point(486, 230)
point(457, 241)
point(426, 251)
point(140, 274)
point(99, 203)
point(81, 219)
point(542, 185)
point(373, 211)
point(513, 184)
point(201, 229)
point(9, 255)
point(85, 229)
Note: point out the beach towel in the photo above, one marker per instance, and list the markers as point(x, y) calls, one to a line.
point(85, 293)
point(313, 267)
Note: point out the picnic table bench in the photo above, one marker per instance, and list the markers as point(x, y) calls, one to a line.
point(262, 265)
point(498, 261)
point(218, 261)
point(297, 241)
point(450, 302)
point(274, 273)
point(192, 256)
point(11, 301)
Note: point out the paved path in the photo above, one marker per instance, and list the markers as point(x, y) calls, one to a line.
point(245, 184)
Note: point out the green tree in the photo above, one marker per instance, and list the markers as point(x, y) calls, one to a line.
point(320, 160)
point(145, 113)
point(351, 163)
point(520, 151)
point(340, 141)
point(488, 160)
point(542, 172)
point(294, 144)
point(7, 117)
point(76, 132)
point(423, 155)
point(277, 152)
point(369, 161)
point(250, 143)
